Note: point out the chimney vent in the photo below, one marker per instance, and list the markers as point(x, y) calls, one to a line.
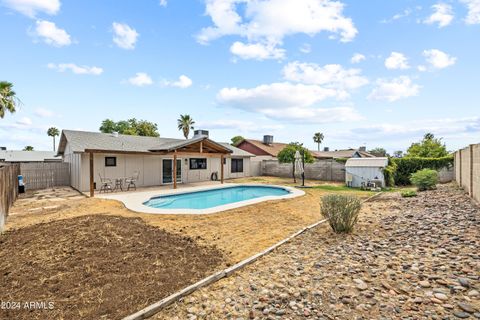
point(362, 148)
point(267, 139)
point(326, 149)
point(115, 134)
point(198, 133)
point(3, 148)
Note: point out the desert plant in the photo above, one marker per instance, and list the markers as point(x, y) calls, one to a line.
point(425, 179)
point(408, 193)
point(341, 211)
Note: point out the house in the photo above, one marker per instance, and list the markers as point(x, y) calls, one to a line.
point(15, 156)
point(339, 154)
point(359, 171)
point(264, 149)
point(93, 156)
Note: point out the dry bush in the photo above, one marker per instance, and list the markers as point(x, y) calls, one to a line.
point(341, 211)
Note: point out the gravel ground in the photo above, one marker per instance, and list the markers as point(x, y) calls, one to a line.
point(416, 258)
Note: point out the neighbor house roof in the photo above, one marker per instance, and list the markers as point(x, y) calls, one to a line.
point(28, 156)
point(348, 153)
point(80, 141)
point(270, 149)
point(377, 162)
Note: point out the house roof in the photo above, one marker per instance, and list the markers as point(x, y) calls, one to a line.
point(80, 141)
point(236, 151)
point(272, 149)
point(377, 162)
point(28, 156)
point(348, 153)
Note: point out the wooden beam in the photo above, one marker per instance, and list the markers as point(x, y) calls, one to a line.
point(221, 167)
point(175, 171)
point(201, 146)
point(92, 190)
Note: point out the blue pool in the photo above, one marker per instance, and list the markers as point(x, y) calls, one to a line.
point(214, 197)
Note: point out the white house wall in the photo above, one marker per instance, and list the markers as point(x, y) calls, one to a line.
point(150, 168)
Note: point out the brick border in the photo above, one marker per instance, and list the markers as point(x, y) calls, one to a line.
point(157, 306)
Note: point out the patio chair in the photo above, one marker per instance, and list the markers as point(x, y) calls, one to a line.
point(132, 181)
point(105, 184)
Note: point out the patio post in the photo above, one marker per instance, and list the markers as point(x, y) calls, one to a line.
point(175, 170)
point(92, 190)
point(221, 167)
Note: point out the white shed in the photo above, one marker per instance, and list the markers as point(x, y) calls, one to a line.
point(363, 170)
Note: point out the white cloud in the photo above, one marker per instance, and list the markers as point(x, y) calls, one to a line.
point(269, 21)
point(306, 48)
point(332, 76)
point(396, 60)
point(163, 3)
point(405, 13)
point(357, 58)
point(239, 125)
point(473, 16)
point(140, 79)
point(438, 59)
point(125, 37)
point(442, 15)
point(25, 121)
point(394, 89)
point(256, 51)
point(182, 82)
point(51, 34)
point(30, 8)
point(288, 102)
point(44, 113)
point(62, 67)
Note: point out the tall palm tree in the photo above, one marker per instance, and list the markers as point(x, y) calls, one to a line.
point(185, 123)
point(53, 132)
point(8, 98)
point(318, 138)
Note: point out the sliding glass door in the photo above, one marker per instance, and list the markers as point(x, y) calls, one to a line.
point(167, 171)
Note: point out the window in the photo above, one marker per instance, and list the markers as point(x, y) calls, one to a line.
point(237, 165)
point(198, 163)
point(110, 161)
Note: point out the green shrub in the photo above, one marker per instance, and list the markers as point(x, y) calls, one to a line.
point(425, 179)
point(408, 193)
point(389, 173)
point(341, 211)
point(408, 165)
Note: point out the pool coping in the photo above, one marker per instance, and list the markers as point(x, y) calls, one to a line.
point(134, 201)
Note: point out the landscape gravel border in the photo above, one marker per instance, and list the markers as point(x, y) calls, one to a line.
point(157, 306)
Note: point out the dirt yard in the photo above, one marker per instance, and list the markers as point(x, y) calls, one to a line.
point(94, 258)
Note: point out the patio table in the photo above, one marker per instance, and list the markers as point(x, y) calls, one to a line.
point(119, 183)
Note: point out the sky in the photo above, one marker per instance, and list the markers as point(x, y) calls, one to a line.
point(375, 73)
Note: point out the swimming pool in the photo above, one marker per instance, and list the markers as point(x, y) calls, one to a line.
point(211, 198)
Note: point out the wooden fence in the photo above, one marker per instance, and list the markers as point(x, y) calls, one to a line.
point(8, 189)
point(45, 175)
point(467, 170)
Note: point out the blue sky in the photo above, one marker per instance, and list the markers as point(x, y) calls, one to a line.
point(380, 74)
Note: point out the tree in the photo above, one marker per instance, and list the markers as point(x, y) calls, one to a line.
point(53, 132)
point(287, 155)
point(236, 140)
point(398, 154)
point(318, 138)
point(185, 123)
point(428, 147)
point(8, 98)
point(131, 127)
point(379, 152)
point(28, 148)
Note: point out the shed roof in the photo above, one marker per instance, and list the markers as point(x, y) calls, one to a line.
point(377, 162)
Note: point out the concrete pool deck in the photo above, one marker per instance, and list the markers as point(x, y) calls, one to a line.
point(134, 200)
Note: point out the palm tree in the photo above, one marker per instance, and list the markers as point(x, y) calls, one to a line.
point(318, 138)
point(8, 98)
point(185, 123)
point(53, 132)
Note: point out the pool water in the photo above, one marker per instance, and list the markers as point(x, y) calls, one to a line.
point(214, 197)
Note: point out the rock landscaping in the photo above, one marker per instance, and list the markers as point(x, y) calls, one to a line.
point(408, 258)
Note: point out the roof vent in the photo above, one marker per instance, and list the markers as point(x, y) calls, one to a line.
point(3, 148)
point(115, 134)
point(198, 133)
point(362, 149)
point(267, 139)
point(326, 149)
